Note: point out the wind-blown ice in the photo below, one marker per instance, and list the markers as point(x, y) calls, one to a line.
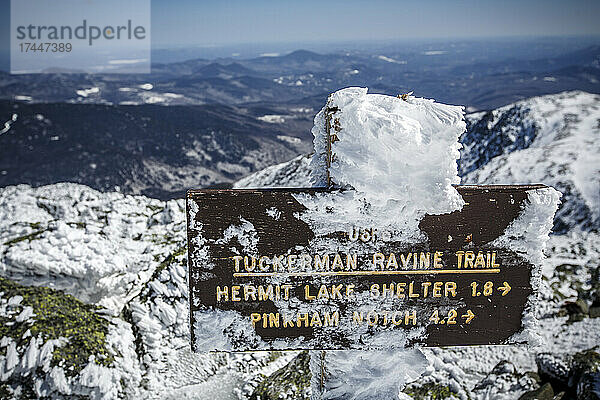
point(390, 148)
point(527, 236)
point(353, 372)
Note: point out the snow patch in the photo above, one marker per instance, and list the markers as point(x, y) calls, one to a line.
point(87, 92)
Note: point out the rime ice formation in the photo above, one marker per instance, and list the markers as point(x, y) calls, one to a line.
point(390, 149)
point(398, 155)
point(364, 375)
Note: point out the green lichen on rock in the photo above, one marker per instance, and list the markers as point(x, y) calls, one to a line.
point(5, 393)
point(429, 391)
point(289, 382)
point(59, 315)
point(38, 231)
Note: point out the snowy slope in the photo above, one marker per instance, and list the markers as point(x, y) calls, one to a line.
point(293, 173)
point(552, 139)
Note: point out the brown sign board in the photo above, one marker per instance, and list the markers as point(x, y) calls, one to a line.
point(258, 281)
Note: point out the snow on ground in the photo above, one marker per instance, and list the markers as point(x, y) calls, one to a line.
point(272, 118)
point(293, 173)
point(88, 91)
point(391, 60)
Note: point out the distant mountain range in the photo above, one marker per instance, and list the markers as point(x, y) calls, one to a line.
point(454, 75)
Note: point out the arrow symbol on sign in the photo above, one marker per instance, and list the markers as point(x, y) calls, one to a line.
point(505, 289)
point(469, 316)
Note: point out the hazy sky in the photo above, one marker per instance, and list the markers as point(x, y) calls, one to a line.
point(204, 22)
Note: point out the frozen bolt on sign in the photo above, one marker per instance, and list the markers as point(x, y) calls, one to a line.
point(383, 253)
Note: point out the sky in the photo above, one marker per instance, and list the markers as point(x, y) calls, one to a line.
point(205, 23)
point(210, 26)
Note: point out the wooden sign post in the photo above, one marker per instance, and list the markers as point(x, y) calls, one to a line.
point(259, 267)
point(329, 269)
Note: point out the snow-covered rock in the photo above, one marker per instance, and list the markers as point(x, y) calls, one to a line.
point(125, 257)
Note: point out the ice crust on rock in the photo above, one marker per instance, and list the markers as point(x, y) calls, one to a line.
point(364, 375)
point(391, 149)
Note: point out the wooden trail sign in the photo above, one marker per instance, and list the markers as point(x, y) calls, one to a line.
point(261, 277)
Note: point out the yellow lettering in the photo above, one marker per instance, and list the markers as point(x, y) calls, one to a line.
point(222, 292)
point(278, 263)
point(287, 322)
point(378, 260)
point(424, 261)
point(315, 320)
point(261, 263)
point(337, 262)
point(291, 260)
point(392, 263)
point(249, 291)
point(286, 291)
point(237, 260)
point(336, 291)
point(450, 287)
point(322, 264)
point(387, 290)
point(410, 291)
point(375, 290)
point(349, 290)
point(395, 321)
point(235, 293)
point(273, 320)
point(247, 266)
point(333, 319)
point(264, 295)
point(302, 317)
point(307, 295)
point(405, 258)
point(479, 261)
point(370, 320)
point(437, 260)
point(425, 286)
point(351, 261)
point(306, 261)
point(469, 258)
point(459, 254)
point(323, 293)
point(400, 289)
point(408, 317)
